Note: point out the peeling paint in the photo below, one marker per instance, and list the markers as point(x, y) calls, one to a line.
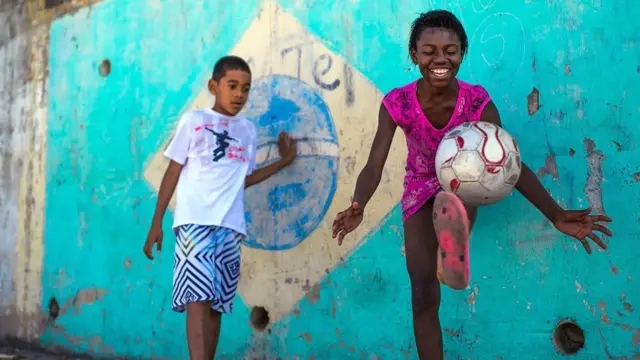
point(593, 189)
point(82, 297)
point(306, 336)
point(604, 318)
point(567, 69)
point(550, 167)
point(471, 300)
point(94, 343)
point(314, 294)
point(533, 102)
point(614, 270)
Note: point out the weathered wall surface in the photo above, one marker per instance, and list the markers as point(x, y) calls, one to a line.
point(13, 48)
point(72, 273)
point(22, 152)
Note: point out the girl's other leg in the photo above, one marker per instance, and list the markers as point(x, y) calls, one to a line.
point(421, 247)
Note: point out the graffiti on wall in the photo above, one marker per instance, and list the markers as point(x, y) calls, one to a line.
point(284, 211)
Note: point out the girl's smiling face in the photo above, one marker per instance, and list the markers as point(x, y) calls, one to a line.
point(438, 55)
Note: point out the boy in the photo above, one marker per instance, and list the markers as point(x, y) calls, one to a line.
point(212, 161)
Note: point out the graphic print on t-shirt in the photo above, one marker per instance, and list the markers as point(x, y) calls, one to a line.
point(221, 140)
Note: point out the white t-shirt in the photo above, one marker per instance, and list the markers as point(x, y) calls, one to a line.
point(217, 152)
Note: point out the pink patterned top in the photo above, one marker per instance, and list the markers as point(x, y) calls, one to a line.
point(421, 182)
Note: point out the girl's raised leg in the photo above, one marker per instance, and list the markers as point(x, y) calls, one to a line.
point(452, 222)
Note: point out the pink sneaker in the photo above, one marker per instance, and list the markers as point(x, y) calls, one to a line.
point(452, 229)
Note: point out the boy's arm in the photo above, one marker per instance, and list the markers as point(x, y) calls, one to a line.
point(259, 175)
point(167, 187)
point(288, 151)
point(177, 151)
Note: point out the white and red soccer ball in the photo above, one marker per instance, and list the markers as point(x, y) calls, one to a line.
point(479, 162)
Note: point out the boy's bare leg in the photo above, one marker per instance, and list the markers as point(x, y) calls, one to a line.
point(199, 330)
point(215, 319)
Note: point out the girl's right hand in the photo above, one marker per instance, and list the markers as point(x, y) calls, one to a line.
point(154, 237)
point(347, 221)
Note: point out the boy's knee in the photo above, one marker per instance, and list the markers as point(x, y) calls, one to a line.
point(215, 314)
point(199, 305)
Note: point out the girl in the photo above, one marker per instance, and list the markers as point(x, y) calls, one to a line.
point(436, 223)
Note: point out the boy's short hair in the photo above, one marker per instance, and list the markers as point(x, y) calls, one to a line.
point(228, 63)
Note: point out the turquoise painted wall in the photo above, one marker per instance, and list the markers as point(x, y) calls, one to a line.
point(582, 57)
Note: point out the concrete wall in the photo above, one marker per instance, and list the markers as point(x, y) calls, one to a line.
point(72, 273)
point(23, 102)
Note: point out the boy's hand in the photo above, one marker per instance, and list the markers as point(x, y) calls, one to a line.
point(347, 221)
point(154, 237)
point(287, 147)
point(580, 225)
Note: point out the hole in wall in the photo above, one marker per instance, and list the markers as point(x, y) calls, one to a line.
point(259, 318)
point(568, 337)
point(54, 308)
point(105, 68)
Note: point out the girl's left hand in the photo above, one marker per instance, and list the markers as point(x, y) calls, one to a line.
point(580, 225)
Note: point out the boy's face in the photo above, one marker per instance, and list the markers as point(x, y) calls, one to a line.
point(231, 92)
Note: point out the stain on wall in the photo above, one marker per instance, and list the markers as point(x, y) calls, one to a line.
point(323, 82)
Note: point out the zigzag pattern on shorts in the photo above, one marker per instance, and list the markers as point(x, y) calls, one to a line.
point(206, 266)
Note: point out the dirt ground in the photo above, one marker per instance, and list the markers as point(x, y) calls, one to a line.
point(9, 353)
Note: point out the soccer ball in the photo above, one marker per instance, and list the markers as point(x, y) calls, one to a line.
point(479, 162)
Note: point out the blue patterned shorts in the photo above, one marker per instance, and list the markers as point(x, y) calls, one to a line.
point(206, 266)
